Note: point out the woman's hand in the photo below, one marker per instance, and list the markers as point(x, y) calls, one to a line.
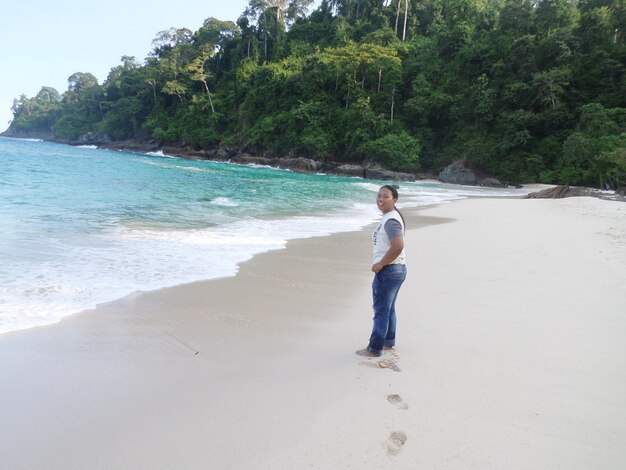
point(377, 267)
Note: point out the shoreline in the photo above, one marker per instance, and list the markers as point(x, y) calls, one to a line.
point(202, 274)
point(413, 210)
point(499, 367)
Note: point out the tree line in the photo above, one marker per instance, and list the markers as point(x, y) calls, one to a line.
point(523, 90)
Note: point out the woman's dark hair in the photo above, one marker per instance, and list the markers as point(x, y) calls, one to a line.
point(394, 192)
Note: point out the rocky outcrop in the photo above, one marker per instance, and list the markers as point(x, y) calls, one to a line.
point(30, 134)
point(298, 164)
point(386, 175)
point(458, 173)
point(92, 138)
point(348, 169)
point(559, 192)
point(308, 165)
point(491, 183)
point(301, 164)
point(132, 146)
point(233, 155)
point(366, 171)
point(221, 154)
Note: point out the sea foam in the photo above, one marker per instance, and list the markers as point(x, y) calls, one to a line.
point(121, 262)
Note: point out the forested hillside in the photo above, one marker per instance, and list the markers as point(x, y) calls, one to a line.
point(523, 90)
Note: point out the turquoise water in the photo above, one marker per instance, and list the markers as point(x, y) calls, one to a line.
point(82, 226)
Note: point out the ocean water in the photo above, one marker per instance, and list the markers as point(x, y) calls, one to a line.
point(81, 226)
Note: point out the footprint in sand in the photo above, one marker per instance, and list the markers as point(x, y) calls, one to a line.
point(397, 401)
point(395, 441)
point(388, 362)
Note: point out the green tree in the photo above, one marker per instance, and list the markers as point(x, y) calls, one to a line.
point(274, 16)
point(396, 151)
point(551, 86)
point(198, 73)
point(48, 96)
point(524, 90)
point(594, 153)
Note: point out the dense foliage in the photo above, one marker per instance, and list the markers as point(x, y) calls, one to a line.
point(523, 90)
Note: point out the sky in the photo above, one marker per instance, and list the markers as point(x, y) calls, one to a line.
point(43, 42)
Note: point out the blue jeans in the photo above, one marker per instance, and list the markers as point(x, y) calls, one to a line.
point(385, 288)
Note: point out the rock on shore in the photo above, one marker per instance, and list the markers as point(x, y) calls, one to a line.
point(560, 192)
point(298, 164)
point(458, 173)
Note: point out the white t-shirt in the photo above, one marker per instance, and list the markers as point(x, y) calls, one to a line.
point(380, 239)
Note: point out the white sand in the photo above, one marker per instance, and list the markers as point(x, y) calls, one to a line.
point(511, 350)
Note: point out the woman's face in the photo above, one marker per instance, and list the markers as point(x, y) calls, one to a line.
point(385, 200)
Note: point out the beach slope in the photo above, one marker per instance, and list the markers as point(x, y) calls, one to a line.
point(511, 354)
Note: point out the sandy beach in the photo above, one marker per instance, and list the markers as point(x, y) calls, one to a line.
point(511, 354)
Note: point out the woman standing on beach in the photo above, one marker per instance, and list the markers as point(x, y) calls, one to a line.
point(389, 272)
